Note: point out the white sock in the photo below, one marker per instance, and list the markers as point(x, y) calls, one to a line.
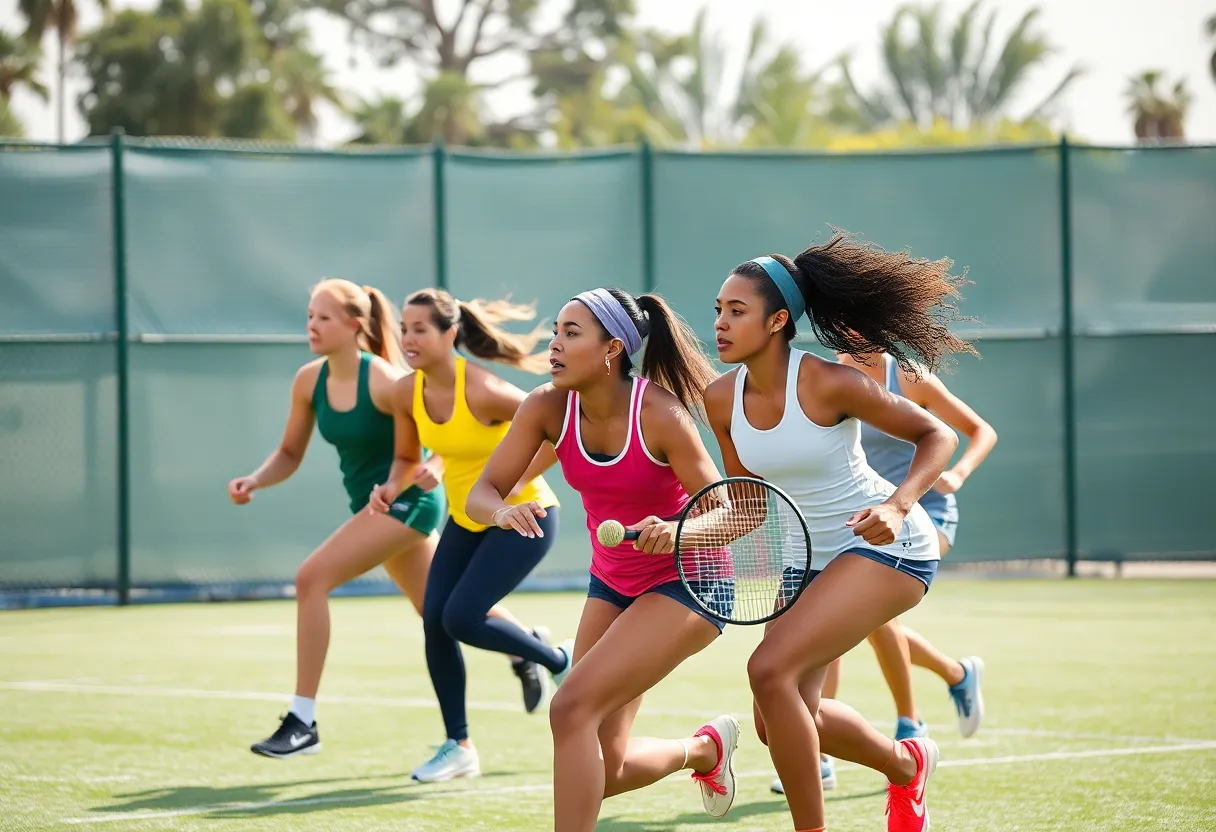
point(304, 708)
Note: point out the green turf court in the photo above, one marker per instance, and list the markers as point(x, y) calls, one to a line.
point(1101, 715)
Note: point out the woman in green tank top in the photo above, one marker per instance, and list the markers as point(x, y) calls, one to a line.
point(346, 392)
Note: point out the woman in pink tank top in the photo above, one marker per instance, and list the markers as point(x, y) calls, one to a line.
point(632, 451)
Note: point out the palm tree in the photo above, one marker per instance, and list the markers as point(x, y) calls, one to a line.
point(1211, 29)
point(681, 83)
point(19, 61)
point(1157, 118)
point(382, 121)
point(946, 74)
point(60, 15)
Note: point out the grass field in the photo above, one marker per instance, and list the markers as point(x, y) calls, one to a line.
point(1101, 716)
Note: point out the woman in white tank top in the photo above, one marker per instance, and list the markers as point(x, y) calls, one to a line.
point(795, 420)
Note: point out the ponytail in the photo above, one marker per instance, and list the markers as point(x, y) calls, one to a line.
point(380, 332)
point(376, 317)
point(861, 300)
point(477, 330)
point(672, 357)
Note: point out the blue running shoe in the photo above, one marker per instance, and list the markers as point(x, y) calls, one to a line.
point(827, 772)
point(968, 696)
point(906, 729)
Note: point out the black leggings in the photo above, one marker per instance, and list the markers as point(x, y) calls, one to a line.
point(470, 573)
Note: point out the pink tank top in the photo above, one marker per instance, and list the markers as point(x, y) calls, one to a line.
point(628, 488)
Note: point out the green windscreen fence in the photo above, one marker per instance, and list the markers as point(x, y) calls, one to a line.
point(1145, 321)
point(58, 404)
point(222, 246)
point(222, 250)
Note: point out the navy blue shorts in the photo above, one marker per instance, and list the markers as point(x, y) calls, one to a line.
point(923, 570)
point(722, 595)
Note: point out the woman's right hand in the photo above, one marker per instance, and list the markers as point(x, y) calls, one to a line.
point(522, 518)
point(381, 498)
point(240, 490)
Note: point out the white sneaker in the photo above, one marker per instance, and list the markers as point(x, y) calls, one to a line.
point(452, 760)
point(718, 784)
point(566, 647)
point(827, 773)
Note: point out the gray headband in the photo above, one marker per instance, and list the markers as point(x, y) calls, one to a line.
point(609, 312)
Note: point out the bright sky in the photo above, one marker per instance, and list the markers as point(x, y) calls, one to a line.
point(1112, 39)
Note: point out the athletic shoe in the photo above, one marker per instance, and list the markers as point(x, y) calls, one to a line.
point(718, 784)
point(827, 774)
point(452, 760)
point(534, 683)
point(967, 696)
point(292, 739)
point(566, 647)
point(906, 729)
point(906, 807)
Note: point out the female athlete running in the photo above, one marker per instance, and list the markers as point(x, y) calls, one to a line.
point(461, 412)
point(631, 449)
point(898, 647)
point(794, 419)
point(346, 393)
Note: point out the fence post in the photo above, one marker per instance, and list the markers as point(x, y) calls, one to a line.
point(122, 364)
point(648, 265)
point(441, 221)
point(1070, 416)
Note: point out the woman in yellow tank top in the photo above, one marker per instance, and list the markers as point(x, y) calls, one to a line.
point(461, 411)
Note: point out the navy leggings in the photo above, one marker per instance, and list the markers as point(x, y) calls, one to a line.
point(470, 573)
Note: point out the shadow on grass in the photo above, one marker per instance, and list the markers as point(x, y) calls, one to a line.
point(737, 812)
point(260, 799)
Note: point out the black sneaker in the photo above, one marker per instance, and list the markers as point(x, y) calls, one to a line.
point(292, 738)
point(532, 676)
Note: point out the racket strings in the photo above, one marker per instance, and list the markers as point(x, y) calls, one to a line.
point(743, 550)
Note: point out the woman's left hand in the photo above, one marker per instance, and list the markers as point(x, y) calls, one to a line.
point(879, 525)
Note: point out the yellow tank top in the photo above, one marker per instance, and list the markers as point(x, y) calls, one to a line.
point(465, 445)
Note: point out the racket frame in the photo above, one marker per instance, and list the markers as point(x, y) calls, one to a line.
point(806, 571)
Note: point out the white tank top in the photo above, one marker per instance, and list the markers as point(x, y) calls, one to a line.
point(824, 470)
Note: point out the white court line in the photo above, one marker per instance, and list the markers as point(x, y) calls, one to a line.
point(36, 778)
point(427, 703)
point(536, 787)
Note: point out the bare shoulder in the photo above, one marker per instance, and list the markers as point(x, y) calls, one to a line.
point(382, 372)
point(545, 406)
point(662, 411)
point(306, 378)
point(477, 379)
point(826, 377)
point(546, 398)
point(720, 396)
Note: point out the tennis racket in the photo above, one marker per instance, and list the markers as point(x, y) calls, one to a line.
point(742, 549)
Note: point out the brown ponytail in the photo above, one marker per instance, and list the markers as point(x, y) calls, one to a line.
point(381, 328)
point(862, 300)
point(376, 317)
point(478, 332)
point(672, 357)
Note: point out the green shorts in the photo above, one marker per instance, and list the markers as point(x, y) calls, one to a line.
point(418, 509)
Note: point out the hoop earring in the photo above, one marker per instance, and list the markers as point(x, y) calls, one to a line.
point(607, 365)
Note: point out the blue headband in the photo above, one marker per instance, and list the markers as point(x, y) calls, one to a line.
point(609, 312)
point(794, 301)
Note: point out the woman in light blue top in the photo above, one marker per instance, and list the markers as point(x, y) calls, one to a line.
point(896, 646)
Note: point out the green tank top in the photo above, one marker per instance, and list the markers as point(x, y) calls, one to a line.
point(362, 436)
